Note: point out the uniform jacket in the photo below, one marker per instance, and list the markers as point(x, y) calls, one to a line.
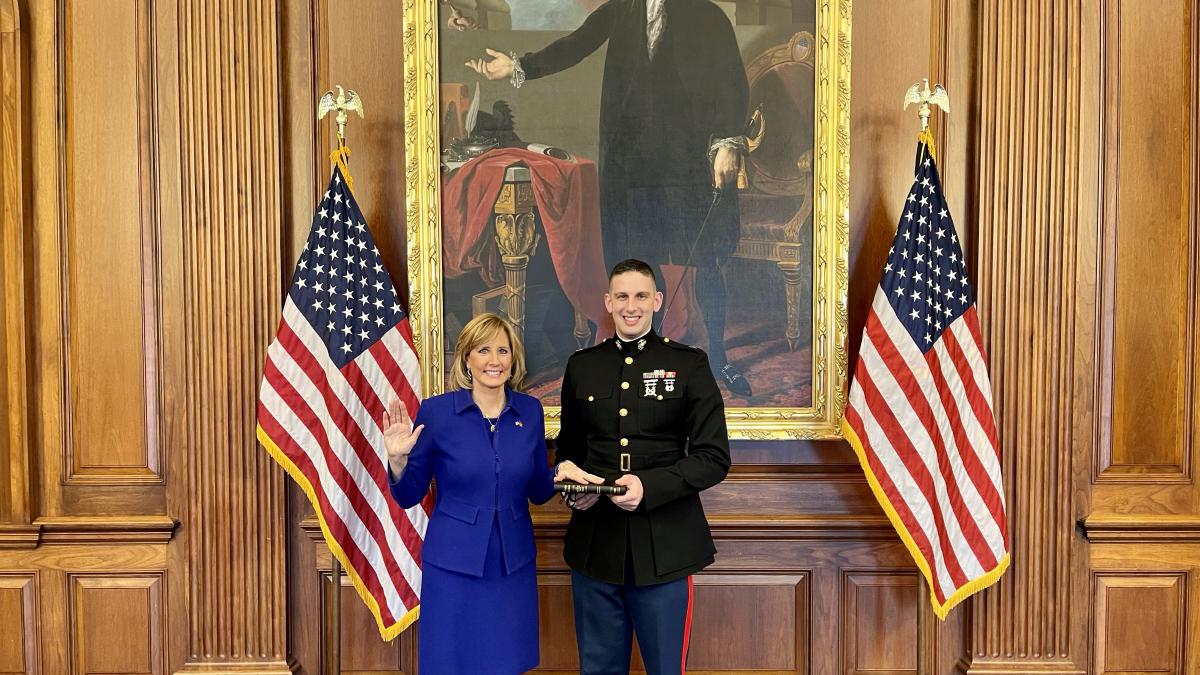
point(482, 479)
point(655, 400)
point(658, 118)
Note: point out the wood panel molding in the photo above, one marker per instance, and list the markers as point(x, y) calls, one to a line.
point(763, 620)
point(117, 623)
point(88, 557)
point(1149, 245)
point(231, 284)
point(1012, 666)
point(879, 623)
point(103, 530)
point(81, 530)
point(19, 650)
point(19, 536)
point(1107, 529)
point(1140, 622)
point(1143, 606)
point(16, 240)
point(108, 265)
point(1029, 84)
point(259, 667)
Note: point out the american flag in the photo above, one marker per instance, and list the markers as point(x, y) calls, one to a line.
point(920, 408)
point(343, 351)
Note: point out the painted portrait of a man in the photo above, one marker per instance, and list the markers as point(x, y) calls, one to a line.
point(675, 143)
point(673, 108)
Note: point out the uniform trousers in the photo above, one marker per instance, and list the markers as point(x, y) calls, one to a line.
point(607, 615)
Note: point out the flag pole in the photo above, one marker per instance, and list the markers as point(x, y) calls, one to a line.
point(334, 639)
point(924, 644)
point(921, 94)
point(344, 101)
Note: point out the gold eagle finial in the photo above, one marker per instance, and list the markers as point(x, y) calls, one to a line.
point(926, 97)
point(345, 100)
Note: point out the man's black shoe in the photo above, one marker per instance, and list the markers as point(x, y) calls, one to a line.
point(735, 381)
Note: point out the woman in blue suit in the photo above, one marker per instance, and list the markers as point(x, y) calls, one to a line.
point(485, 444)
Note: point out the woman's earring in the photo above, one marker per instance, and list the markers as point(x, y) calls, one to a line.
point(470, 377)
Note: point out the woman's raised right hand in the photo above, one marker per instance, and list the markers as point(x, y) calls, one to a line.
point(399, 436)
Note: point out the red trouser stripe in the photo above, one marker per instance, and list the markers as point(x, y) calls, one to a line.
point(687, 630)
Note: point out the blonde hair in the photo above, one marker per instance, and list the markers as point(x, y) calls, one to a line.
point(478, 331)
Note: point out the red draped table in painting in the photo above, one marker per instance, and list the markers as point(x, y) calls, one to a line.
point(488, 228)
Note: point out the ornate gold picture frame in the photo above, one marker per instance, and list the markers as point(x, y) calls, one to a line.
point(801, 256)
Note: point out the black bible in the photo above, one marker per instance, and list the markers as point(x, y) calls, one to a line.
point(588, 488)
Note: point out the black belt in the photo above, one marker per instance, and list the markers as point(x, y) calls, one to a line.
point(627, 461)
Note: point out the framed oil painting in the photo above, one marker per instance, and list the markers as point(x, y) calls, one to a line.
point(548, 139)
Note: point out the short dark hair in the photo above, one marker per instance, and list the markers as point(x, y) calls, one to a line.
point(631, 265)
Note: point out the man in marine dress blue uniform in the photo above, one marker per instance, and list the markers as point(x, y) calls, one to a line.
point(644, 412)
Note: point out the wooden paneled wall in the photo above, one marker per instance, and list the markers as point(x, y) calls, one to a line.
point(159, 164)
point(1139, 249)
point(143, 530)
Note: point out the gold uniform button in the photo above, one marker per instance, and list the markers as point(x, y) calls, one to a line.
point(666, 339)
point(591, 398)
point(660, 397)
point(624, 412)
point(624, 385)
point(628, 360)
point(624, 442)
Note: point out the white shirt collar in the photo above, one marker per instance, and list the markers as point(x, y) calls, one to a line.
point(629, 342)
